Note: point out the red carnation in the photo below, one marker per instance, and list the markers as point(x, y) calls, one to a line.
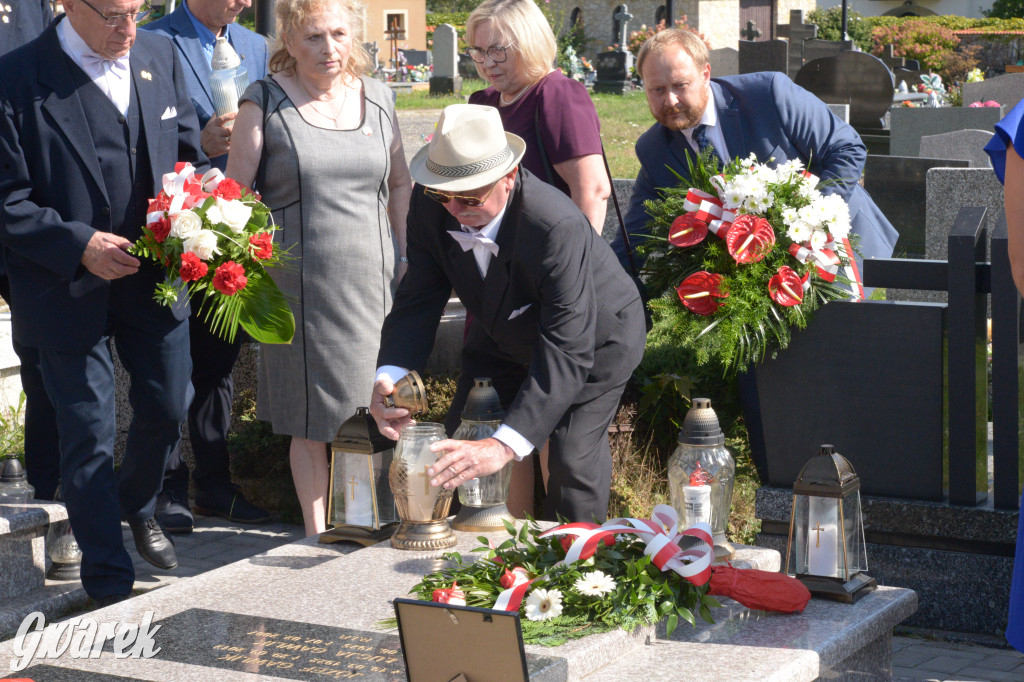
point(687, 230)
point(228, 189)
point(160, 229)
point(699, 291)
point(787, 288)
point(229, 278)
point(192, 268)
point(263, 247)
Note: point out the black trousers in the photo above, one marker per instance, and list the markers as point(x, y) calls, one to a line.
point(42, 448)
point(209, 415)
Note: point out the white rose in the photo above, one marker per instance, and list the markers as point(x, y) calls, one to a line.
point(234, 214)
point(203, 243)
point(184, 224)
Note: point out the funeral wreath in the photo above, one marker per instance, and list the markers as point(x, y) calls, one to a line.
point(214, 239)
point(739, 257)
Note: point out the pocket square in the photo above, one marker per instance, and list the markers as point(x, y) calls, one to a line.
point(519, 311)
point(169, 112)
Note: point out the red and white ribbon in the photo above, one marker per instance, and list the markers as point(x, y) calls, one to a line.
point(708, 208)
point(174, 183)
point(826, 262)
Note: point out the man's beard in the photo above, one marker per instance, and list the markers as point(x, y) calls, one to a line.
point(668, 118)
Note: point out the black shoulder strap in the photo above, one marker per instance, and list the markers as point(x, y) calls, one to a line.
point(261, 170)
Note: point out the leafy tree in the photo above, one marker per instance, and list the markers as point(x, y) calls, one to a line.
point(830, 26)
point(447, 6)
point(936, 48)
point(1006, 9)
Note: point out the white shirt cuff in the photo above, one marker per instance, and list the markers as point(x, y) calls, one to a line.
point(513, 439)
point(390, 372)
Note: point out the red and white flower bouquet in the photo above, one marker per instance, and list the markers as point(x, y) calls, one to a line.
point(739, 257)
point(214, 239)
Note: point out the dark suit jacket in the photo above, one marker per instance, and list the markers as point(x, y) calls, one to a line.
point(52, 197)
point(26, 21)
point(554, 301)
point(769, 115)
point(251, 48)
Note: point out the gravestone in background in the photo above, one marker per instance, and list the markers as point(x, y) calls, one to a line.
point(372, 50)
point(903, 69)
point(725, 61)
point(908, 126)
point(856, 78)
point(961, 144)
point(841, 110)
point(415, 57)
point(796, 31)
point(898, 186)
point(445, 79)
point(1007, 90)
point(467, 67)
point(762, 55)
point(819, 49)
point(614, 68)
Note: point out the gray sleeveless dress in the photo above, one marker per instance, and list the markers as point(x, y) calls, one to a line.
point(328, 193)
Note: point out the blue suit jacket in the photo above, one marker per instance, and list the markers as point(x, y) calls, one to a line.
point(251, 48)
point(52, 194)
point(26, 21)
point(769, 115)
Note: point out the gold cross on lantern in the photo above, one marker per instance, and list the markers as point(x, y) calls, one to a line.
point(353, 483)
point(426, 479)
point(819, 529)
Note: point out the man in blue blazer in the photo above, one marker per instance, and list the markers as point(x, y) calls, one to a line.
point(194, 27)
point(91, 116)
point(761, 113)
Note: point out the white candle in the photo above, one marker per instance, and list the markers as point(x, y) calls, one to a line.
point(697, 504)
point(822, 537)
point(357, 489)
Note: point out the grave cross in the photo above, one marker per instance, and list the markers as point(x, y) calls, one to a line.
point(797, 32)
point(889, 57)
point(750, 32)
point(622, 16)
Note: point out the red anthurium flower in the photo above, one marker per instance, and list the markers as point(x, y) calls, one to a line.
point(517, 576)
point(786, 287)
point(191, 267)
point(229, 278)
point(699, 291)
point(687, 230)
point(450, 595)
point(749, 238)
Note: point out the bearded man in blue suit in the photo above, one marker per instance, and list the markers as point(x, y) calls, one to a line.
point(91, 115)
point(761, 113)
point(194, 28)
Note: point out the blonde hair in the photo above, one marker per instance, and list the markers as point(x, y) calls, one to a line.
point(521, 24)
point(291, 15)
point(690, 42)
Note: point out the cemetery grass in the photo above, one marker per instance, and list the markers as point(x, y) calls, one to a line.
point(623, 119)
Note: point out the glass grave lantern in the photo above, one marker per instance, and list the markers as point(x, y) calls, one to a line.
point(360, 506)
point(701, 475)
point(422, 507)
point(826, 549)
point(14, 485)
point(483, 498)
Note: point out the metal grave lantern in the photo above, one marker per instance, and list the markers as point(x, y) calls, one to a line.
point(483, 498)
point(826, 549)
point(360, 506)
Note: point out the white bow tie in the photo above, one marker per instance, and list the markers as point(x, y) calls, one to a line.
point(92, 59)
point(467, 240)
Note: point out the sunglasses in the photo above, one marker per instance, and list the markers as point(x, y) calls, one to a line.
point(469, 202)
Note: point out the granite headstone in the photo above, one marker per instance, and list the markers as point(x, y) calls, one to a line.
point(445, 79)
point(819, 49)
point(725, 61)
point(796, 31)
point(968, 145)
point(1007, 89)
point(908, 126)
point(762, 55)
point(856, 78)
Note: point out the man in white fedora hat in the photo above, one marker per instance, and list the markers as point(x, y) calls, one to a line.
point(557, 324)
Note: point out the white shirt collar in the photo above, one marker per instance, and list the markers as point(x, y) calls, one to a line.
point(490, 230)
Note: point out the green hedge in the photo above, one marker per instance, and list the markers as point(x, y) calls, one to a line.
point(953, 22)
point(456, 19)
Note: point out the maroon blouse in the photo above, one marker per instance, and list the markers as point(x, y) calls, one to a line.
point(566, 116)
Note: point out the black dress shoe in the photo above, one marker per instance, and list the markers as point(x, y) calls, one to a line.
point(172, 512)
point(229, 503)
point(153, 545)
point(111, 599)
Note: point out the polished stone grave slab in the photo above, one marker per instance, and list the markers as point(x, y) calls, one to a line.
point(314, 595)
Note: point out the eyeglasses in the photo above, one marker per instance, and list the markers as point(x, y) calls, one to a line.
point(480, 55)
point(115, 20)
point(470, 202)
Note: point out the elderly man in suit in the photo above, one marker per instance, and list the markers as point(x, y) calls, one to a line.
point(194, 27)
point(761, 113)
point(557, 324)
point(91, 116)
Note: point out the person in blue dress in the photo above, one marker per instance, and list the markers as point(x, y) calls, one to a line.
point(1009, 168)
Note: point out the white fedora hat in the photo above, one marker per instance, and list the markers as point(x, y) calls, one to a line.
point(469, 150)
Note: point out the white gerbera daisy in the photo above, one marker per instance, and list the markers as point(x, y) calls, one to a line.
point(544, 604)
point(595, 584)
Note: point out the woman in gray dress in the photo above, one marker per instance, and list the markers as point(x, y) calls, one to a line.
point(326, 145)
